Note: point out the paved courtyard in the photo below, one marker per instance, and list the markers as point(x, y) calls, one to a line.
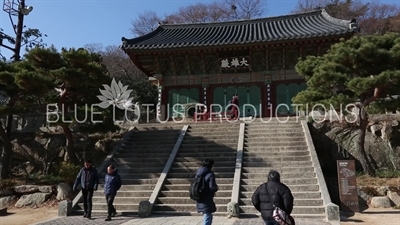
point(164, 220)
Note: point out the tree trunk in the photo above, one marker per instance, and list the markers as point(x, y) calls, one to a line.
point(69, 143)
point(360, 146)
point(5, 155)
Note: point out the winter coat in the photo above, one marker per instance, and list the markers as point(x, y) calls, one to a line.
point(112, 183)
point(278, 194)
point(206, 204)
point(88, 179)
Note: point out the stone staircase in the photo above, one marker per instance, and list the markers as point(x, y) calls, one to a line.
point(217, 141)
point(140, 162)
point(282, 147)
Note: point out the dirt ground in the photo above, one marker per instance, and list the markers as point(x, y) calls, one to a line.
point(373, 216)
point(26, 216)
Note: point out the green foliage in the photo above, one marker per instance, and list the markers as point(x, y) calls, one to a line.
point(352, 71)
point(68, 172)
point(382, 173)
point(144, 91)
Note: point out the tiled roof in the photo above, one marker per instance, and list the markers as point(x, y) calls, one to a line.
point(296, 26)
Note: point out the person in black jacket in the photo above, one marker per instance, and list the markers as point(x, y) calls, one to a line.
point(112, 183)
point(206, 204)
point(89, 181)
point(272, 193)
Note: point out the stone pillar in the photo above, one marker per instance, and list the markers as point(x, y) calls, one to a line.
point(160, 109)
point(64, 208)
point(205, 95)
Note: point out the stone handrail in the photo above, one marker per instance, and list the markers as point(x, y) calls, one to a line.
point(66, 207)
point(331, 210)
point(146, 207)
point(233, 206)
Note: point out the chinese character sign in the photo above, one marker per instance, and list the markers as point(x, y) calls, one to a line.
point(236, 62)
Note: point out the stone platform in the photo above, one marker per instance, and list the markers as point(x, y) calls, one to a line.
point(165, 220)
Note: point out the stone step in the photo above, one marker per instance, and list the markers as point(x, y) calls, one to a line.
point(231, 154)
point(133, 182)
point(102, 213)
point(118, 207)
point(275, 153)
point(185, 193)
point(296, 195)
point(140, 175)
point(206, 140)
point(312, 217)
point(269, 123)
point(293, 174)
point(200, 159)
point(193, 170)
point(121, 163)
point(221, 134)
point(272, 148)
point(186, 187)
point(276, 143)
point(119, 200)
point(187, 201)
point(131, 193)
point(273, 139)
point(296, 209)
point(293, 181)
point(268, 135)
point(278, 164)
point(283, 169)
point(297, 202)
point(277, 158)
point(293, 188)
point(141, 155)
point(185, 207)
point(275, 164)
point(275, 130)
point(205, 150)
point(133, 187)
point(141, 160)
point(127, 171)
point(208, 145)
point(191, 175)
point(174, 181)
point(214, 130)
point(198, 164)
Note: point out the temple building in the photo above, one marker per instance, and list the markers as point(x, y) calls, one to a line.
point(210, 62)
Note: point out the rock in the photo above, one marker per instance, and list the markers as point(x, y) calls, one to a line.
point(7, 201)
point(25, 189)
point(233, 209)
point(6, 192)
point(64, 191)
point(382, 190)
point(64, 208)
point(3, 211)
point(32, 199)
point(394, 197)
point(46, 189)
point(145, 209)
point(380, 202)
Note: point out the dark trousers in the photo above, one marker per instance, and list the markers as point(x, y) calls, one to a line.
point(110, 208)
point(270, 222)
point(87, 201)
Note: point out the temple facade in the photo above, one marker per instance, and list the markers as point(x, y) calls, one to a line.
point(210, 62)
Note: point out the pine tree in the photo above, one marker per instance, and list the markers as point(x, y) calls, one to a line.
point(364, 71)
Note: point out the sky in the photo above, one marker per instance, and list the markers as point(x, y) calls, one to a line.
point(75, 23)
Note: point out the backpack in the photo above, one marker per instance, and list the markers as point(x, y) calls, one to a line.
point(197, 188)
point(280, 216)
